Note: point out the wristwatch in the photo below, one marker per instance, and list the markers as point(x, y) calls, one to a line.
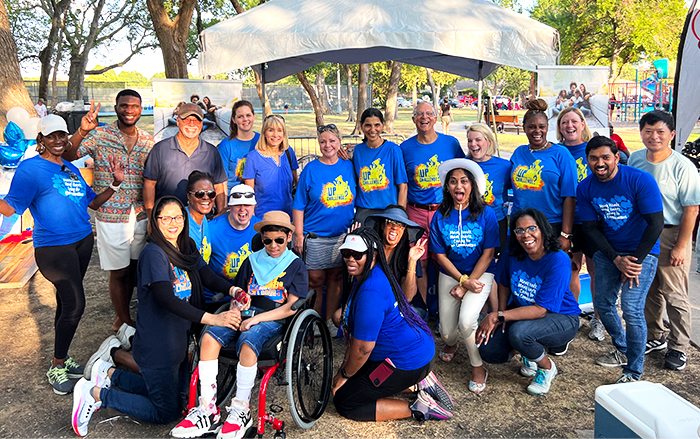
point(343, 373)
point(115, 188)
point(501, 317)
point(567, 235)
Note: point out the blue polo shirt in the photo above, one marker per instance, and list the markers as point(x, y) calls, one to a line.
point(169, 166)
point(379, 171)
point(233, 154)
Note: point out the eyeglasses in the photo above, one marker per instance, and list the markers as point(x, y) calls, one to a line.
point(167, 220)
point(389, 222)
point(200, 194)
point(329, 127)
point(347, 254)
point(268, 241)
point(273, 115)
point(70, 173)
point(424, 113)
point(243, 194)
point(530, 229)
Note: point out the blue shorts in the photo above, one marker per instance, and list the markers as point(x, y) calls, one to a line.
point(255, 337)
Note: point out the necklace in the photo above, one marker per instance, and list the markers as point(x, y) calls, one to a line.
point(546, 145)
point(131, 136)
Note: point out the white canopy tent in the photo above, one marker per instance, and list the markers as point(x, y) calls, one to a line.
point(470, 38)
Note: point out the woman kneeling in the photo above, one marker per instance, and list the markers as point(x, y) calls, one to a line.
point(533, 275)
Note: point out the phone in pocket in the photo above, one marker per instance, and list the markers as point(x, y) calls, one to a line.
point(382, 372)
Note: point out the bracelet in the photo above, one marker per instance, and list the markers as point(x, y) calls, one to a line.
point(411, 272)
point(80, 133)
point(566, 235)
point(463, 278)
point(114, 188)
point(343, 373)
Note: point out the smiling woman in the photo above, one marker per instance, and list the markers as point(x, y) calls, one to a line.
point(200, 201)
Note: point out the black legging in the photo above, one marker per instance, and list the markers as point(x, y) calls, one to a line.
point(65, 266)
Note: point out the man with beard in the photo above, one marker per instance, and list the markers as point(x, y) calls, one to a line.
point(173, 159)
point(121, 221)
point(622, 214)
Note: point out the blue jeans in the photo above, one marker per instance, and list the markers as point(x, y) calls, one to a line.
point(530, 337)
point(255, 337)
point(157, 396)
point(608, 281)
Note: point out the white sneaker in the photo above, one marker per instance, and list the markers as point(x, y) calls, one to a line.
point(237, 422)
point(104, 353)
point(199, 421)
point(100, 374)
point(332, 328)
point(543, 380)
point(597, 330)
point(528, 369)
point(84, 405)
point(125, 334)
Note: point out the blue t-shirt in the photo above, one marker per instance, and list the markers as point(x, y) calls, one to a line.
point(379, 171)
point(497, 173)
point(161, 337)
point(57, 197)
point(326, 195)
point(229, 248)
point(464, 247)
point(542, 179)
point(169, 166)
point(544, 282)
point(273, 182)
point(375, 317)
point(582, 169)
point(620, 204)
point(422, 163)
point(201, 236)
point(233, 154)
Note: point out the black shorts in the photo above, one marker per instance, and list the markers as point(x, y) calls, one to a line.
point(357, 398)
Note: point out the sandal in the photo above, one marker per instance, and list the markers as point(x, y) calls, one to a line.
point(478, 387)
point(447, 356)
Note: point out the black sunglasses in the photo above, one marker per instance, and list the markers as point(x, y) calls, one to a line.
point(268, 241)
point(70, 173)
point(243, 194)
point(329, 127)
point(200, 194)
point(273, 115)
point(347, 254)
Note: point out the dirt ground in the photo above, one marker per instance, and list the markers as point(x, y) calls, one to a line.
point(30, 409)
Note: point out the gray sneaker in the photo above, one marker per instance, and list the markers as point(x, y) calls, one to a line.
point(613, 359)
point(104, 353)
point(58, 378)
point(597, 330)
point(73, 369)
point(624, 378)
point(125, 334)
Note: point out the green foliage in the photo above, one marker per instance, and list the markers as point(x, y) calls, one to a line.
point(507, 81)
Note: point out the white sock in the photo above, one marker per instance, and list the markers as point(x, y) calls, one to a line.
point(207, 381)
point(245, 380)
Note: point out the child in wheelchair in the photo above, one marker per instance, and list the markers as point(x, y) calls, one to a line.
point(269, 281)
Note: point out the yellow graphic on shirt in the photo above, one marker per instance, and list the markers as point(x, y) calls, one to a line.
point(528, 177)
point(373, 177)
point(205, 250)
point(582, 169)
point(427, 174)
point(336, 193)
point(240, 166)
point(488, 196)
point(274, 290)
point(234, 261)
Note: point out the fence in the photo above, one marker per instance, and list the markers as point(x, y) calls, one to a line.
point(306, 147)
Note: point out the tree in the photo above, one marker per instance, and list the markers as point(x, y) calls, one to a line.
point(13, 93)
point(391, 95)
point(318, 110)
point(172, 34)
point(411, 78)
point(362, 81)
point(507, 81)
point(348, 82)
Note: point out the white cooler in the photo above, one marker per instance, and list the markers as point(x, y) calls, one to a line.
point(644, 410)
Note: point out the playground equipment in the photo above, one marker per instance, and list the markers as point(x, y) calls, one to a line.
point(631, 99)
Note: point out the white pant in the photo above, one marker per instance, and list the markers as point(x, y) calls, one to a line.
point(120, 243)
point(461, 316)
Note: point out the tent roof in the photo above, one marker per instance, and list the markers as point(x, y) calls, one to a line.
point(469, 38)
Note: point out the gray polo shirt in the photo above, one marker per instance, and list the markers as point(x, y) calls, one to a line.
point(169, 166)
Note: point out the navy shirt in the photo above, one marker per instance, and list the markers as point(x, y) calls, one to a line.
point(293, 280)
point(169, 166)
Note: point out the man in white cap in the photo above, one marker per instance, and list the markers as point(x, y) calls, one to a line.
point(231, 234)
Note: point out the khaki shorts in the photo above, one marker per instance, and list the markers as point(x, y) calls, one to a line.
point(119, 243)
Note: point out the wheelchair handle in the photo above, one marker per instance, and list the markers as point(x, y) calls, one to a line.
point(299, 303)
point(217, 297)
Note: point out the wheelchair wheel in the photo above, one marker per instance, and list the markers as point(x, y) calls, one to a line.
point(309, 368)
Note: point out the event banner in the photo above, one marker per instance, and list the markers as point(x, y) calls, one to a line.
point(686, 99)
point(583, 87)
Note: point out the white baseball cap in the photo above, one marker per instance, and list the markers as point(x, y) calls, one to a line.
point(50, 124)
point(354, 242)
point(242, 194)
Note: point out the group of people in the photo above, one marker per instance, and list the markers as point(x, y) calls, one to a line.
point(380, 220)
point(577, 96)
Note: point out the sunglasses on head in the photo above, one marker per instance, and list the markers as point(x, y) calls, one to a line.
point(268, 241)
point(243, 194)
point(200, 194)
point(329, 127)
point(70, 173)
point(347, 254)
point(274, 115)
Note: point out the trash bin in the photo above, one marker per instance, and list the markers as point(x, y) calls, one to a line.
point(73, 119)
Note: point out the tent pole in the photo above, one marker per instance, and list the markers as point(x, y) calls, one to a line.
point(480, 91)
point(262, 81)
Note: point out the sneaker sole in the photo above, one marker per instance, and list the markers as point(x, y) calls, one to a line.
point(660, 347)
point(676, 368)
point(595, 338)
point(58, 392)
point(198, 433)
point(106, 345)
point(610, 365)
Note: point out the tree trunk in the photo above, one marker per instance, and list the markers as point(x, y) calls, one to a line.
point(318, 110)
point(79, 57)
point(46, 54)
point(54, 88)
point(351, 104)
point(13, 93)
point(391, 95)
point(172, 35)
point(361, 95)
point(258, 87)
point(431, 81)
point(415, 95)
point(321, 91)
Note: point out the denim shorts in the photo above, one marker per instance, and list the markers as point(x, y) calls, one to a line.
point(255, 337)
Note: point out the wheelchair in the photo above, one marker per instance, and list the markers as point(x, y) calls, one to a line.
point(300, 358)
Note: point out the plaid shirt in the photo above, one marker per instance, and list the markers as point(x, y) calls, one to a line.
point(100, 144)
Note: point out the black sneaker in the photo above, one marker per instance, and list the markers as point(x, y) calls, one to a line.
point(655, 345)
point(560, 350)
point(675, 360)
point(73, 369)
point(58, 378)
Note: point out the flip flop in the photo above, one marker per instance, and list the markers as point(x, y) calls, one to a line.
point(478, 387)
point(446, 356)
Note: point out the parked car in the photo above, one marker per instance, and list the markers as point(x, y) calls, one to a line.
point(403, 102)
point(454, 103)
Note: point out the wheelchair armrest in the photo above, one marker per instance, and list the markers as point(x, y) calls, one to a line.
point(217, 297)
point(301, 302)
